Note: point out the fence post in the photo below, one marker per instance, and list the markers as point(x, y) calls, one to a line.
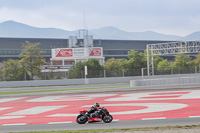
point(199, 67)
point(196, 69)
point(142, 70)
point(86, 72)
point(25, 76)
point(65, 74)
point(123, 72)
point(171, 69)
point(104, 73)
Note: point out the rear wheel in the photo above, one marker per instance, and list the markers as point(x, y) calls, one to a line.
point(80, 119)
point(107, 118)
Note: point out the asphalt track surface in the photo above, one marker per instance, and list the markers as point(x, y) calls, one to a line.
point(113, 125)
point(118, 88)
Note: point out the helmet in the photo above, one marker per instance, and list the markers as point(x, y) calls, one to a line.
point(96, 105)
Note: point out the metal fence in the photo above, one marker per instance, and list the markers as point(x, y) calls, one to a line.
point(176, 70)
point(113, 73)
point(121, 73)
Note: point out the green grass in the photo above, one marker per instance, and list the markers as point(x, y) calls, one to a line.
point(123, 130)
point(56, 90)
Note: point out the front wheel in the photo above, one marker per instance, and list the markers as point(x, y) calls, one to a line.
point(80, 119)
point(107, 118)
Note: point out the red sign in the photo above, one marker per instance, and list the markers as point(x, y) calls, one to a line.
point(65, 53)
point(95, 52)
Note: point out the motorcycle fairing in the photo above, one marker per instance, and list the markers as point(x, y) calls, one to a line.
point(95, 119)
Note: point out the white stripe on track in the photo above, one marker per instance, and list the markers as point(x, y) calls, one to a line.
point(16, 124)
point(194, 116)
point(60, 122)
point(36, 110)
point(159, 118)
point(62, 115)
point(2, 100)
point(1, 109)
point(10, 117)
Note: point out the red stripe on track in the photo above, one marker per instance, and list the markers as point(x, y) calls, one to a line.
point(122, 105)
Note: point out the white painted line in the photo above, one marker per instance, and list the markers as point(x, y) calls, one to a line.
point(116, 120)
point(10, 99)
point(60, 122)
point(16, 124)
point(36, 110)
point(194, 116)
point(10, 117)
point(62, 115)
point(160, 118)
point(151, 107)
point(5, 108)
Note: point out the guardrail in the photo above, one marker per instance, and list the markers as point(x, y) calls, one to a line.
point(59, 82)
point(165, 81)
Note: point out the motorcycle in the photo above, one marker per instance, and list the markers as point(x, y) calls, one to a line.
point(101, 115)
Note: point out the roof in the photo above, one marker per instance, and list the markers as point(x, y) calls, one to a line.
point(47, 43)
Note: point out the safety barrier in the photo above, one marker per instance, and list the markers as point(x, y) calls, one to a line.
point(135, 80)
point(165, 81)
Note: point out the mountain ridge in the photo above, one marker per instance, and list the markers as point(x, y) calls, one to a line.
point(19, 30)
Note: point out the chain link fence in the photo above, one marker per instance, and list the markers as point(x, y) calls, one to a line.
point(51, 75)
point(176, 70)
point(120, 73)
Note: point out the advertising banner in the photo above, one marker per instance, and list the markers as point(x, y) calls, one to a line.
point(79, 52)
point(66, 53)
point(94, 51)
point(63, 53)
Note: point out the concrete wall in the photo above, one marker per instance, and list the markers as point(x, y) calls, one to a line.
point(90, 81)
point(64, 82)
point(166, 81)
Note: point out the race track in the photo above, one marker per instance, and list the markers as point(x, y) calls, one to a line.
point(153, 105)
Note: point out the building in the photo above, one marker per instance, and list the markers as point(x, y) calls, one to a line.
point(11, 47)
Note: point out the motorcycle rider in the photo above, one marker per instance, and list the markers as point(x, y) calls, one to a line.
point(93, 111)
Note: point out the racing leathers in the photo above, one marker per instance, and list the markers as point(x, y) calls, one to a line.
point(93, 112)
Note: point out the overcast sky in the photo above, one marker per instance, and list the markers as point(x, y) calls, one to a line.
point(175, 17)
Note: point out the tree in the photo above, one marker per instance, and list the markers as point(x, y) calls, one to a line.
point(156, 59)
point(123, 64)
point(112, 64)
point(93, 64)
point(12, 70)
point(136, 60)
point(94, 68)
point(135, 63)
point(163, 63)
point(112, 67)
point(31, 58)
point(196, 61)
point(78, 70)
point(182, 61)
point(1, 74)
point(164, 67)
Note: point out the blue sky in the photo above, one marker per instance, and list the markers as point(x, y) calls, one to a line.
point(175, 17)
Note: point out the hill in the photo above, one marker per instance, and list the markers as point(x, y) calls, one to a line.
point(19, 30)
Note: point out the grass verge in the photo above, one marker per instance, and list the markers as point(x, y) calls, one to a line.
point(123, 130)
point(56, 90)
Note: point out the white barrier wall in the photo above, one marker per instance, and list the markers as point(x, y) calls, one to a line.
point(138, 82)
point(8, 84)
point(165, 81)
